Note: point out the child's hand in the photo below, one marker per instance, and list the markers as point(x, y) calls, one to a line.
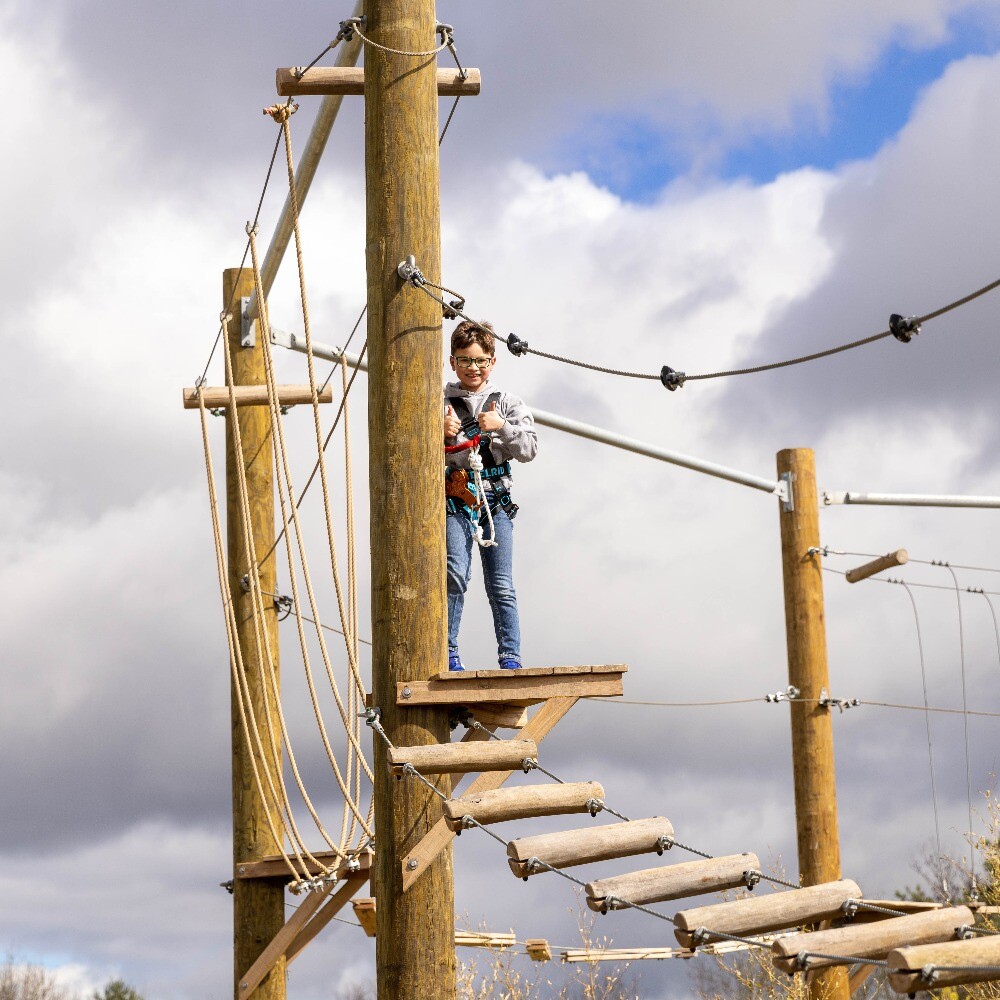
point(452, 425)
point(490, 420)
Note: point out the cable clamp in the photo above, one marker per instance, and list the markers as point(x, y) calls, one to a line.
point(451, 310)
point(664, 843)
point(217, 411)
point(929, 974)
point(532, 865)
point(353, 865)
point(965, 932)
point(671, 379)
point(594, 806)
point(789, 694)
point(447, 33)
point(229, 886)
point(825, 701)
point(409, 271)
point(904, 328)
point(282, 602)
point(371, 717)
point(516, 346)
point(347, 27)
point(751, 878)
point(528, 764)
point(699, 936)
point(850, 908)
point(613, 903)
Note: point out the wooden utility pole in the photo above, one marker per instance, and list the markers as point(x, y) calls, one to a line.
point(415, 951)
point(812, 731)
point(258, 904)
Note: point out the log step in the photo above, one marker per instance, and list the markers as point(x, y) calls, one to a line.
point(906, 965)
point(526, 802)
point(461, 758)
point(656, 885)
point(759, 914)
point(870, 940)
point(581, 847)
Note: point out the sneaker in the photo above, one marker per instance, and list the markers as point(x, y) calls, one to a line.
point(510, 665)
point(455, 662)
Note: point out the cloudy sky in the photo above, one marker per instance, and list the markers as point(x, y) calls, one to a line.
point(708, 186)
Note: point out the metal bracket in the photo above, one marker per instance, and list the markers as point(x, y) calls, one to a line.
point(248, 327)
point(785, 492)
point(409, 271)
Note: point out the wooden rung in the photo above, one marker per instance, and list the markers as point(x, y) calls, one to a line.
point(524, 802)
point(461, 758)
point(501, 716)
point(898, 558)
point(364, 910)
point(253, 395)
point(757, 914)
point(656, 885)
point(485, 939)
point(581, 847)
point(350, 81)
point(870, 940)
point(905, 964)
point(538, 949)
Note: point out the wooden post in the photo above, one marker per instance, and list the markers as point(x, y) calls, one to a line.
point(415, 943)
point(812, 731)
point(258, 904)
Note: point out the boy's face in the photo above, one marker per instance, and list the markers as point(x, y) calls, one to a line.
point(472, 365)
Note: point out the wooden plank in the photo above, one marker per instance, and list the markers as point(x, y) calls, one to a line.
point(656, 885)
point(331, 908)
point(859, 977)
point(328, 81)
point(568, 848)
point(512, 687)
point(252, 978)
point(870, 940)
point(758, 914)
point(463, 757)
point(461, 676)
point(499, 716)
point(364, 910)
point(273, 866)
point(905, 964)
point(485, 939)
point(439, 836)
point(500, 805)
point(538, 949)
point(253, 395)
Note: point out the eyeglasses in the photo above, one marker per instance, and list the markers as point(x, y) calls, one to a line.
point(479, 363)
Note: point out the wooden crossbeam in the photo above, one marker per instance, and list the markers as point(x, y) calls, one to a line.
point(350, 81)
point(217, 397)
point(527, 686)
point(364, 910)
point(273, 866)
point(439, 836)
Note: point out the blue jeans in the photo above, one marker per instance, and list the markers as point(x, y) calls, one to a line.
point(498, 562)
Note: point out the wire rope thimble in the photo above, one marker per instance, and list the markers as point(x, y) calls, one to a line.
point(672, 380)
point(664, 843)
point(516, 346)
point(447, 33)
point(594, 806)
point(904, 328)
point(409, 272)
point(450, 310)
point(751, 878)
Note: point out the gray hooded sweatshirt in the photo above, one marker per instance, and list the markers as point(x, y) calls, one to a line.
point(516, 440)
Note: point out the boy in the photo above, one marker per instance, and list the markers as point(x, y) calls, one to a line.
point(475, 406)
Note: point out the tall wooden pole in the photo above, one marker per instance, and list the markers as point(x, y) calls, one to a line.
point(812, 730)
point(415, 951)
point(258, 904)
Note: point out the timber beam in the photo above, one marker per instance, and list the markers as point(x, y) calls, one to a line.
point(274, 866)
point(329, 81)
point(217, 397)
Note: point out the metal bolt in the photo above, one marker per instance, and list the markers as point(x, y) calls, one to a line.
point(242, 869)
point(412, 864)
point(407, 692)
point(243, 986)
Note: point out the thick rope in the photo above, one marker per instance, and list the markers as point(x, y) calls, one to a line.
point(356, 22)
point(285, 483)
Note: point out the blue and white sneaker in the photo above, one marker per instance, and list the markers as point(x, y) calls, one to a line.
point(510, 665)
point(455, 662)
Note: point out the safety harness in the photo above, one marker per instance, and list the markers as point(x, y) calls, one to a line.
point(460, 488)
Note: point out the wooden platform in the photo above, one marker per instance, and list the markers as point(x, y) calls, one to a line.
point(527, 686)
